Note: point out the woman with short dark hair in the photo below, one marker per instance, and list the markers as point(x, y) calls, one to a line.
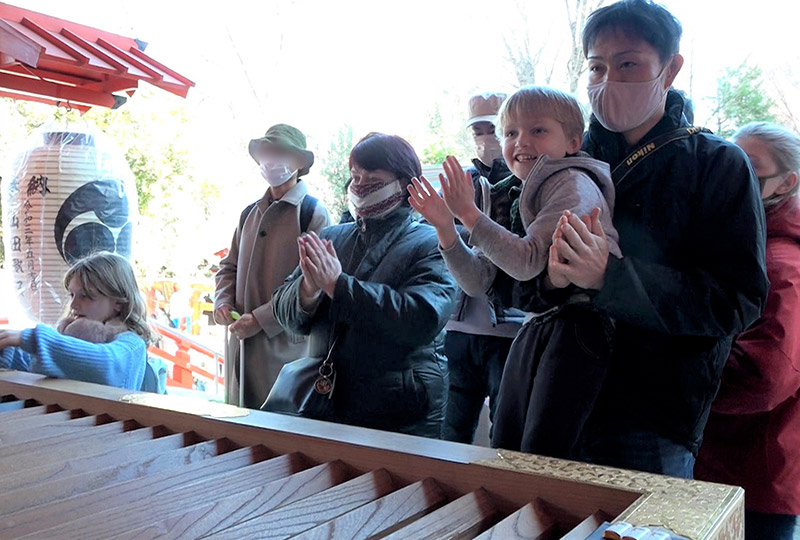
point(376, 294)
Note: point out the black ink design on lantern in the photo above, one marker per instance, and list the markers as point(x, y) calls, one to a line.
point(104, 199)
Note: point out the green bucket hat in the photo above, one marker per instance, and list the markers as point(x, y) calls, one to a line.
point(286, 137)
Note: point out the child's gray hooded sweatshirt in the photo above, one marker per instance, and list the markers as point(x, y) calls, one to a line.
point(578, 184)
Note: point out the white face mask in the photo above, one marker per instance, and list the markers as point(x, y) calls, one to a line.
point(488, 148)
point(276, 174)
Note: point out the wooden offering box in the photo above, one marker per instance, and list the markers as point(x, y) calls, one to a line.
point(91, 462)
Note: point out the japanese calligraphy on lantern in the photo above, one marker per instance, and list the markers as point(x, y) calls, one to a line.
point(38, 184)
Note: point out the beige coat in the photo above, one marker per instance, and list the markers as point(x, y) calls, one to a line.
point(261, 256)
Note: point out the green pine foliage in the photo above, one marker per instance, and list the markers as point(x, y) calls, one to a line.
point(741, 99)
point(336, 170)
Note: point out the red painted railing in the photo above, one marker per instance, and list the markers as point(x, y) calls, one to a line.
point(183, 370)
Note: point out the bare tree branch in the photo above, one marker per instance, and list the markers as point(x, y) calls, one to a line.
point(526, 58)
point(518, 49)
point(786, 111)
point(577, 14)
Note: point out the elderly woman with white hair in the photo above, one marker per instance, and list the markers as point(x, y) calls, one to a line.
point(752, 438)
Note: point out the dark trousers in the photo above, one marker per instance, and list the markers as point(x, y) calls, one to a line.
point(758, 526)
point(476, 367)
point(553, 375)
point(636, 450)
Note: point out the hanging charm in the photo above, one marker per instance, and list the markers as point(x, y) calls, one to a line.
point(326, 380)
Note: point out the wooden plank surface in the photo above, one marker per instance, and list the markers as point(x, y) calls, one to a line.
point(112, 435)
point(586, 527)
point(530, 522)
point(110, 499)
point(176, 501)
point(96, 458)
point(465, 517)
point(23, 413)
point(45, 426)
point(31, 473)
point(49, 490)
point(294, 518)
point(22, 420)
point(165, 500)
point(392, 511)
point(222, 513)
point(409, 458)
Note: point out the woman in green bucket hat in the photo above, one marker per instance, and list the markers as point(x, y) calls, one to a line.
point(263, 252)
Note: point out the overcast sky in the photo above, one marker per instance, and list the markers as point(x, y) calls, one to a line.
point(380, 65)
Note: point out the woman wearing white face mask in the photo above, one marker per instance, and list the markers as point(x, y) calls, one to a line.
point(263, 252)
point(691, 228)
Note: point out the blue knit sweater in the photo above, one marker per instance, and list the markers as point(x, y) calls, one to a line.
point(120, 363)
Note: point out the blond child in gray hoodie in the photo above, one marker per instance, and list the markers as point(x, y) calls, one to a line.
point(559, 359)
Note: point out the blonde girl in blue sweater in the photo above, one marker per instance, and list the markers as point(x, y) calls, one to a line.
point(104, 337)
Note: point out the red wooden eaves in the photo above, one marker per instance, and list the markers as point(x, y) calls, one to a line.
point(18, 47)
point(51, 60)
point(162, 67)
point(60, 92)
point(79, 57)
point(102, 83)
point(130, 58)
point(95, 49)
point(41, 99)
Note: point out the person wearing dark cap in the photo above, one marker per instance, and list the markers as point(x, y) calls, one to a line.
point(263, 252)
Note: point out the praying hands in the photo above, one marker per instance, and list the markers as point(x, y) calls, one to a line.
point(320, 265)
point(579, 253)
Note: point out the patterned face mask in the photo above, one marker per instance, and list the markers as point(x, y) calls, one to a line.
point(374, 200)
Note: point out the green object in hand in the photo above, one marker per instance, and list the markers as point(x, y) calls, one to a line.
point(235, 315)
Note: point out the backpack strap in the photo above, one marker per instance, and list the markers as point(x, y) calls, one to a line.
point(649, 148)
point(485, 195)
point(307, 208)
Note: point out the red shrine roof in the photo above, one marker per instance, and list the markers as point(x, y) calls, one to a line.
point(59, 62)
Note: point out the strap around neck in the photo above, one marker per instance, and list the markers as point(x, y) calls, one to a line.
point(651, 147)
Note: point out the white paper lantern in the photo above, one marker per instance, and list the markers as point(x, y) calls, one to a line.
point(71, 194)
